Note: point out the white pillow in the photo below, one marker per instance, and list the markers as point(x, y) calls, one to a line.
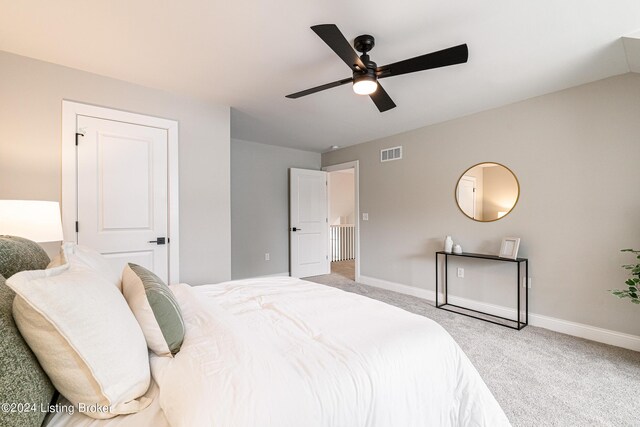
point(76, 254)
point(85, 337)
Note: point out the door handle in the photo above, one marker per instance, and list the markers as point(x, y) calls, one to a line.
point(158, 241)
point(296, 229)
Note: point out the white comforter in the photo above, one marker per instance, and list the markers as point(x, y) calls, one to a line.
point(285, 352)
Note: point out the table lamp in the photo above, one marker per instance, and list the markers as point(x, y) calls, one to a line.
point(31, 219)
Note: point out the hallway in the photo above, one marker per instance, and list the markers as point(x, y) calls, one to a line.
point(346, 269)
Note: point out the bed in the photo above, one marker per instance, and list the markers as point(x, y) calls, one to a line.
point(286, 352)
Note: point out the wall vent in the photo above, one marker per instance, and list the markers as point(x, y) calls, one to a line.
point(388, 154)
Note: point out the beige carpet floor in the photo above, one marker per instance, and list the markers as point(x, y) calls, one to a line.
point(539, 377)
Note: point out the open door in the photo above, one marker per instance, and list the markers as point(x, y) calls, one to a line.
point(467, 196)
point(308, 223)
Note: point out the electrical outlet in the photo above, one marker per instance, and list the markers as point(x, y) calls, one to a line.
point(461, 272)
point(267, 257)
point(365, 217)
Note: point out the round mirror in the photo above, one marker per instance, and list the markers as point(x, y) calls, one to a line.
point(487, 192)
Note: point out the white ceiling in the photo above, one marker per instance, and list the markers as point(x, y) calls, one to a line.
point(249, 54)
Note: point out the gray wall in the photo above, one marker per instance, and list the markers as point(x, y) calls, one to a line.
point(31, 94)
point(575, 153)
point(260, 206)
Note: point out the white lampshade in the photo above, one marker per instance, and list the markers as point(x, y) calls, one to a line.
point(32, 219)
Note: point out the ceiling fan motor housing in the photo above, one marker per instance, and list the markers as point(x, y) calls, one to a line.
point(368, 74)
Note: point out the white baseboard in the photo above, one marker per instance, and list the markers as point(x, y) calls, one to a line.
point(397, 287)
point(593, 333)
point(285, 274)
point(606, 336)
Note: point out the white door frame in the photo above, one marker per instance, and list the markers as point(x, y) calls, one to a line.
point(356, 180)
point(70, 111)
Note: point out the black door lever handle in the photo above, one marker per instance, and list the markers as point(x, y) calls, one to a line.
point(158, 241)
point(296, 229)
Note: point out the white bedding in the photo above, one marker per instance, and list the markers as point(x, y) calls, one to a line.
point(152, 415)
point(285, 352)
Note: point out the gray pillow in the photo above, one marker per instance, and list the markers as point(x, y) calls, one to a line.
point(18, 254)
point(22, 380)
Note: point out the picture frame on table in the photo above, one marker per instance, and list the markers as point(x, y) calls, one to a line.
point(509, 247)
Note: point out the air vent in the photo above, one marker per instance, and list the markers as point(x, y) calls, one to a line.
point(388, 154)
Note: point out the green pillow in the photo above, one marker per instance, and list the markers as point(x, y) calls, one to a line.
point(18, 254)
point(22, 380)
point(155, 308)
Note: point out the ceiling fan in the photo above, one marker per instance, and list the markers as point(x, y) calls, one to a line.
point(366, 73)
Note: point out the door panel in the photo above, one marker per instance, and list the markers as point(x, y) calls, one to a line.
point(308, 214)
point(309, 248)
point(125, 197)
point(122, 192)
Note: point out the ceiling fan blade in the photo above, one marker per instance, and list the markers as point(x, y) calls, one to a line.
point(332, 36)
point(442, 58)
point(382, 99)
point(319, 88)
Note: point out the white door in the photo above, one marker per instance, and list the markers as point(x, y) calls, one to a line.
point(122, 192)
point(467, 195)
point(309, 227)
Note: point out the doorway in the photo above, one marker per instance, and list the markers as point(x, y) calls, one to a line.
point(343, 220)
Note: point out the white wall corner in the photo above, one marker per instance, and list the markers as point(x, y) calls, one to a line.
point(631, 45)
point(606, 336)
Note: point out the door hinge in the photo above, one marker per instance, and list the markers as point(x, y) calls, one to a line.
point(326, 220)
point(327, 257)
point(78, 134)
point(474, 190)
point(77, 226)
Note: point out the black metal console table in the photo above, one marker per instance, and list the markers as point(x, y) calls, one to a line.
point(498, 320)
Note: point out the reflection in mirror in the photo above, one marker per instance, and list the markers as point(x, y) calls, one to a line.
point(487, 192)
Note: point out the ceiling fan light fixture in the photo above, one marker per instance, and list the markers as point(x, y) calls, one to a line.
point(365, 84)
